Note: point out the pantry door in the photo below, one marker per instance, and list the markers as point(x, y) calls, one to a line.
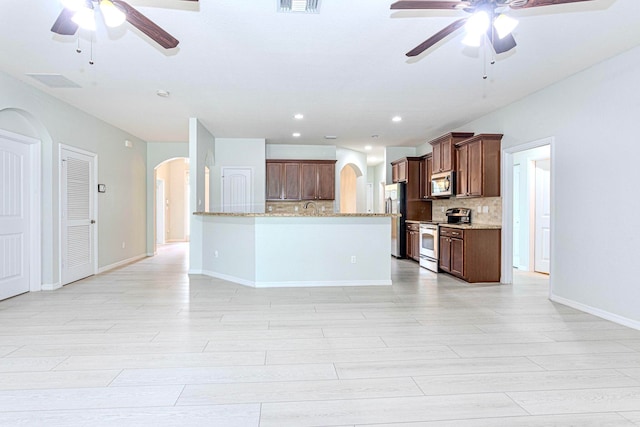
point(78, 188)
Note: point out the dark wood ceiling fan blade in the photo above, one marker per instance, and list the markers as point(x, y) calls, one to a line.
point(426, 4)
point(501, 45)
point(437, 37)
point(538, 3)
point(64, 25)
point(147, 26)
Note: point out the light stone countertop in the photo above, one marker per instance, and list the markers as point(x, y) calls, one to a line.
point(473, 226)
point(293, 215)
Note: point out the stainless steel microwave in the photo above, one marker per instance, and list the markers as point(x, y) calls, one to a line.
point(443, 184)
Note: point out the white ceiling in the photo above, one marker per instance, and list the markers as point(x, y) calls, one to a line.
point(244, 70)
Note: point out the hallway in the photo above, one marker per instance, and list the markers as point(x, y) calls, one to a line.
point(146, 345)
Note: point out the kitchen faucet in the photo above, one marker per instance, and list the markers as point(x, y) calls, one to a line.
point(315, 208)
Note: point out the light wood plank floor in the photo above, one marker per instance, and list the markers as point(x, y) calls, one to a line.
point(148, 345)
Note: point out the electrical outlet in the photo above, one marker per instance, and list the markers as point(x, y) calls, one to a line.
point(479, 209)
point(215, 254)
point(270, 208)
point(353, 259)
point(485, 209)
point(295, 208)
point(123, 245)
point(442, 209)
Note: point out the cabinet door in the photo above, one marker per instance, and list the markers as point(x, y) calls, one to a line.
point(462, 174)
point(274, 181)
point(437, 158)
point(308, 181)
point(447, 160)
point(408, 244)
point(326, 182)
point(457, 257)
point(416, 245)
point(474, 164)
point(402, 171)
point(291, 181)
point(445, 254)
point(429, 172)
point(394, 173)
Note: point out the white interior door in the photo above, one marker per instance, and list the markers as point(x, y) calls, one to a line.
point(370, 197)
point(160, 212)
point(543, 216)
point(15, 187)
point(77, 219)
point(236, 190)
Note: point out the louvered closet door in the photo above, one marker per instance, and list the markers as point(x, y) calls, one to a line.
point(14, 218)
point(77, 216)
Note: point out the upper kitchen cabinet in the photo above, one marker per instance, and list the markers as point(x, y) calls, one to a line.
point(426, 170)
point(283, 180)
point(407, 170)
point(444, 150)
point(317, 179)
point(478, 166)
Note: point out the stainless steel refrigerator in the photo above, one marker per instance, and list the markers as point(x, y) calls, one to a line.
point(394, 196)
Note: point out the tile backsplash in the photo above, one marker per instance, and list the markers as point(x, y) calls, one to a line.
point(290, 207)
point(492, 206)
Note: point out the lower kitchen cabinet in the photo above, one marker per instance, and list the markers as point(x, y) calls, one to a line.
point(470, 254)
point(413, 241)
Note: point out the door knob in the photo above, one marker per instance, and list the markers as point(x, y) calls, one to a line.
point(93, 221)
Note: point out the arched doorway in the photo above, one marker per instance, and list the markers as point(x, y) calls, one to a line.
point(349, 188)
point(171, 201)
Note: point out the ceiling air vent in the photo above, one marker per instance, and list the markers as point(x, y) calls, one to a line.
point(299, 6)
point(56, 81)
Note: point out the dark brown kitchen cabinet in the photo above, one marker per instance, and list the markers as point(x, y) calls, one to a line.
point(300, 180)
point(444, 150)
point(426, 170)
point(317, 180)
point(470, 254)
point(283, 180)
point(413, 241)
point(408, 171)
point(478, 166)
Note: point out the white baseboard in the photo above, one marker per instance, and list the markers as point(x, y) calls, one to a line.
point(121, 263)
point(293, 284)
point(50, 286)
point(597, 312)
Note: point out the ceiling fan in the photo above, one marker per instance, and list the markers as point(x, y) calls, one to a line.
point(486, 19)
point(80, 13)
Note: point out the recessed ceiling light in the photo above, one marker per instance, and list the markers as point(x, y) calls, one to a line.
point(162, 93)
point(368, 147)
point(396, 119)
point(375, 136)
point(299, 116)
point(296, 134)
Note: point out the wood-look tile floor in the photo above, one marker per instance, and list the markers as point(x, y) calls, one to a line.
point(148, 345)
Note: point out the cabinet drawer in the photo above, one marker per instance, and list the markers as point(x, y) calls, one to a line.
point(452, 232)
point(411, 226)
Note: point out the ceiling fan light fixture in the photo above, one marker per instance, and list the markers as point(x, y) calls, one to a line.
point(299, 6)
point(472, 40)
point(504, 25)
point(85, 18)
point(113, 16)
point(478, 23)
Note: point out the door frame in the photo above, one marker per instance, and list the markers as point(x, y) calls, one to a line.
point(35, 210)
point(94, 166)
point(507, 206)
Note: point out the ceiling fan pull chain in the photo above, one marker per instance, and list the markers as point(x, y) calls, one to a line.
point(484, 61)
point(91, 52)
point(78, 48)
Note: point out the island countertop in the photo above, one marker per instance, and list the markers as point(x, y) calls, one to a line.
point(297, 215)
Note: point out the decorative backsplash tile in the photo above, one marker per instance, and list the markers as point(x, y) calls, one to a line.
point(290, 207)
point(492, 216)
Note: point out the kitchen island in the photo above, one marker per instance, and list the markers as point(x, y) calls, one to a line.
point(286, 250)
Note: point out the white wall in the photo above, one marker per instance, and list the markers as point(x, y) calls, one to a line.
point(593, 118)
point(301, 152)
point(359, 160)
point(158, 152)
point(201, 144)
point(121, 210)
point(240, 152)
